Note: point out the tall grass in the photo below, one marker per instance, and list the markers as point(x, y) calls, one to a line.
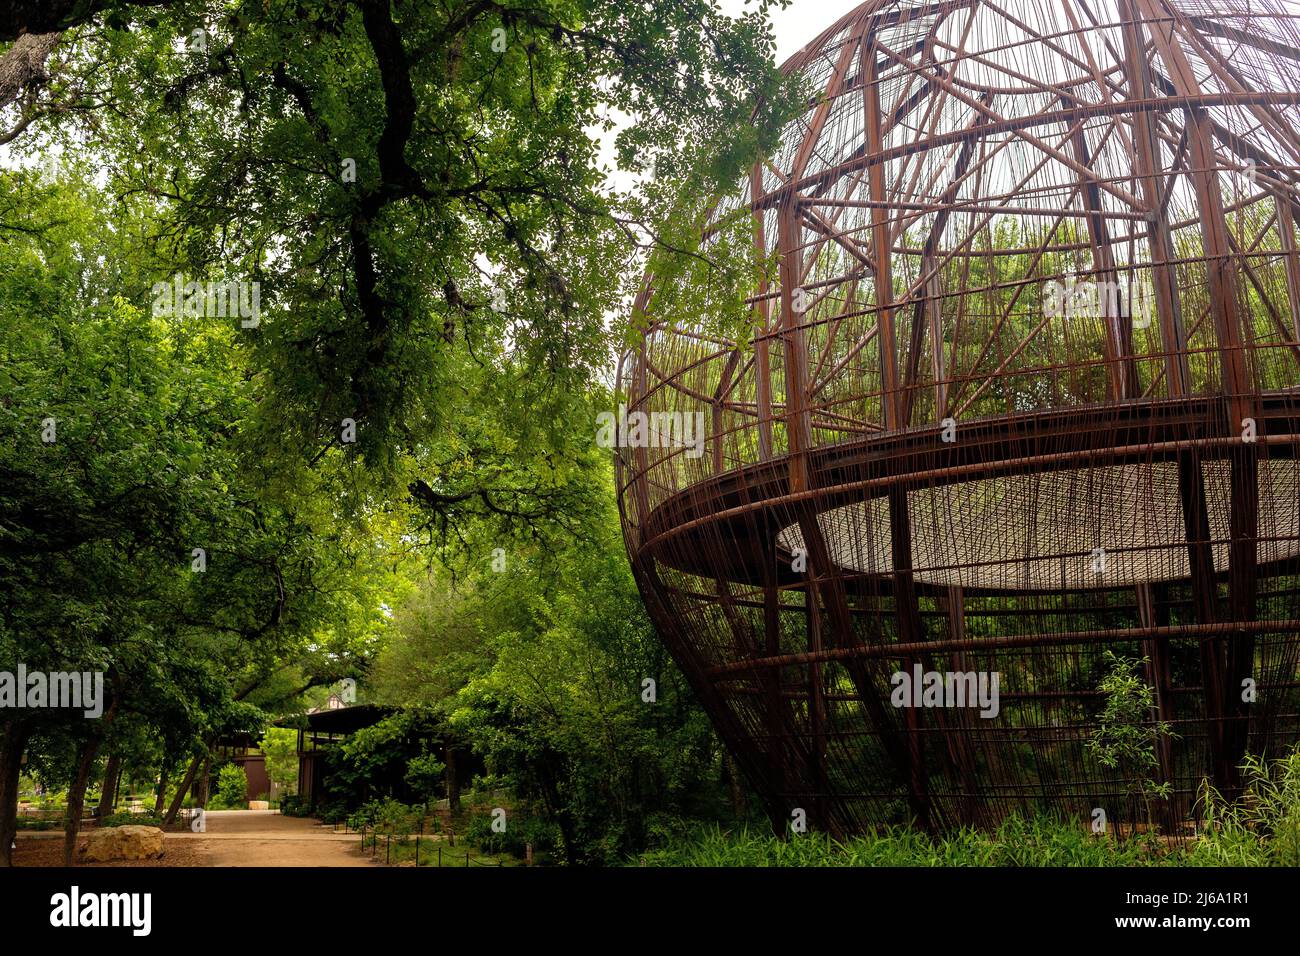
point(1017, 842)
point(1261, 829)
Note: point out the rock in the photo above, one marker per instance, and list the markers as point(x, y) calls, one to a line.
point(259, 804)
point(124, 843)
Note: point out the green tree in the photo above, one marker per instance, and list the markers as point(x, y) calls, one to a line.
point(280, 746)
point(1126, 738)
point(138, 541)
point(541, 669)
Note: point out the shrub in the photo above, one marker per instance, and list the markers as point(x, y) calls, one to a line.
point(335, 811)
point(519, 832)
point(388, 816)
point(293, 805)
point(232, 788)
point(125, 819)
point(38, 823)
point(360, 818)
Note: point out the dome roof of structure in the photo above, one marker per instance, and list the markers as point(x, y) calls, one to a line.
point(1008, 211)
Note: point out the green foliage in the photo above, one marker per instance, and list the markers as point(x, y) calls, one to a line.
point(1017, 842)
point(333, 810)
point(545, 837)
point(280, 746)
point(450, 299)
point(294, 805)
point(1263, 828)
point(386, 759)
point(39, 823)
point(540, 668)
point(478, 242)
point(121, 453)
point(388, 817)
point(147, 819)
point(1126, 737)
point(232, 789)
point(424, 773)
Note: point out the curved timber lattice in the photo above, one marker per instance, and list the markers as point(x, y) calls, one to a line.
point(1025, 387)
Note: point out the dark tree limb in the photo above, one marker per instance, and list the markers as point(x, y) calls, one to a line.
point(21, 17)
point(23, 64)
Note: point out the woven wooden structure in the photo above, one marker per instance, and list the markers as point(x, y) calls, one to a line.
point(1024, 387)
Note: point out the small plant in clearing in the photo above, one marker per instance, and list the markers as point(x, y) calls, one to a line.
point(1126, 737)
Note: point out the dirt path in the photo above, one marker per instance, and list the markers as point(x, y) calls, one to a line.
point(233, 838)
point(264, 838)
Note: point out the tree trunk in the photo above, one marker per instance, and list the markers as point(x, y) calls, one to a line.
point(556, 810)
point(77, 798)
point(108, 797)
point(733, 778)
point(453, 782)
point(24, 63)
point(203, 786)
point(12, 742)
point(163, 774)
point(186, 783)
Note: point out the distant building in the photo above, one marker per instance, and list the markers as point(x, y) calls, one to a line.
point(335, 702)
